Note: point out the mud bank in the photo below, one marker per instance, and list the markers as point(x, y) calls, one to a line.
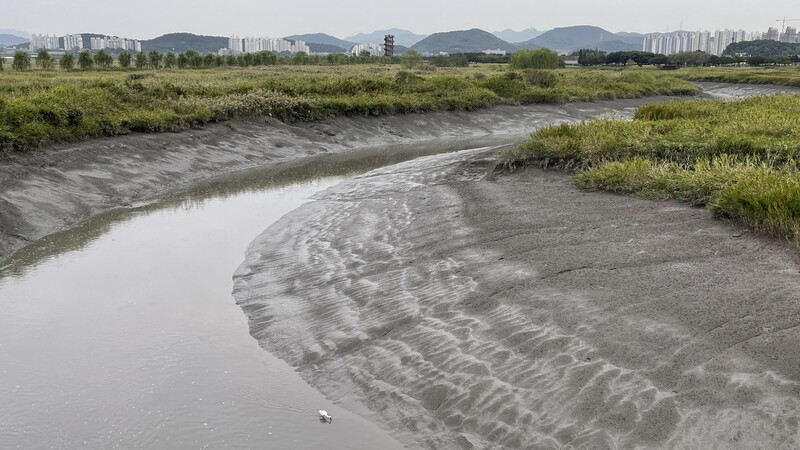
point(49, 192)
point(53, 191)
point(470, 310)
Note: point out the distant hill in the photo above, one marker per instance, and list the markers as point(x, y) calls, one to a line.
point(461, 41)
point(568, 39)
point(321, 38)
point(762, 48)
point(325, 48)
point(11, 39)
point(631, 35)
point(180, 42)
point(510, 35)
point(19, 33)
point(401, 37)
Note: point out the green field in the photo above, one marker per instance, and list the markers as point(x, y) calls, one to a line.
point(38, 108)
point(740, 159)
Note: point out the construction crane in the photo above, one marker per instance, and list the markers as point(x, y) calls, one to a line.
point(784, 20)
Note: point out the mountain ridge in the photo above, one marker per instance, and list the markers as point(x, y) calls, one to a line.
point(512, 36)
point(568, 39)
point(321, 38)
point(462, 41)
point(180, 42)
point(402, 37)
point(7, 40)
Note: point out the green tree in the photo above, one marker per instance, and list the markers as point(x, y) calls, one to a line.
point(2, 60)
point(103, 59)
point(588, 57)
point(124, 59)
point(697, 58)
point(411, 59)
point(183, 61)
point(141, 60)
point(194, 58)
point(44, 60)
point(67, 62)
point(169, 60)
point(22, 61)
point(540, 58)
point(248, 59)
point(85, 60)
point(209, 59)
point(155, 59)
point(658, 59)
point(300, 58)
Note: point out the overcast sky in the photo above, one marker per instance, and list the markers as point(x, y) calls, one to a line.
point(145, 19)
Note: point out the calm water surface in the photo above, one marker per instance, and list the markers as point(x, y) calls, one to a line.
point(123, 334)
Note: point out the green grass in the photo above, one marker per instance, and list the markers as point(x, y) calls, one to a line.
point(783, 76)
point(39, 108)
point(739, 159)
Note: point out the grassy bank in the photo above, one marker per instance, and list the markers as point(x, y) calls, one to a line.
point(39, 108)
point(740, 159)
point(782, 76)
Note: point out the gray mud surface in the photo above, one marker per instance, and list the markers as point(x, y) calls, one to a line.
point(471, 309)
point(467, 309)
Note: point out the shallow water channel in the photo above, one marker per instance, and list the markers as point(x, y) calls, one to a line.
point(123, 333)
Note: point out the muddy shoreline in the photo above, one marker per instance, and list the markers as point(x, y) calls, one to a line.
point(56, 189)
point(44, 193)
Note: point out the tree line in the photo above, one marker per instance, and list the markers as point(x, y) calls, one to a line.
point(588, 57)
point(189, 59)
point(765, 48)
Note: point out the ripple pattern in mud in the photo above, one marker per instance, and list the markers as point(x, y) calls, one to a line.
point(372, 300)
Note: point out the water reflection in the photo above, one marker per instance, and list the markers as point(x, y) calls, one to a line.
point(251, 181)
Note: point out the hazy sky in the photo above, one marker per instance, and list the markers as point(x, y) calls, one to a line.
point(145, 19)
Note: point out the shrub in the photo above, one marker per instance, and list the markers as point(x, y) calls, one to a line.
point(541, 78)
point(22, 61)
point(540, 58)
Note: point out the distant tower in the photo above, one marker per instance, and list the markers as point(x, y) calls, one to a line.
point(388, 45)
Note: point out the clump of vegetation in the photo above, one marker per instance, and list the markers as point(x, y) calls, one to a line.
point(541, 58)
point(739, 159)
point(783, 76)
point(39, 108)
point(541, 78)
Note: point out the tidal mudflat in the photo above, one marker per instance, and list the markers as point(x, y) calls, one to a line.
point(468, 308)
point(442, 302)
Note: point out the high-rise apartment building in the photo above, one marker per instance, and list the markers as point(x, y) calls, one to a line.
point(704, 41)
point(373, 48)
point(43, 41)
point(238, 45)
point(790, 35)
point(115, 43)
point(72, 42)
point(772, 34)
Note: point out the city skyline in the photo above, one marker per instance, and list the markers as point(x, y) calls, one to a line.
point(274, 18)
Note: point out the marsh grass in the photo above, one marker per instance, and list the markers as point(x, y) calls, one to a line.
point(783, 76)
point(739, 159)
point(39, 108)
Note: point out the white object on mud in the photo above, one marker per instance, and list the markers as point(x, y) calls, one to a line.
point(324, 416)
